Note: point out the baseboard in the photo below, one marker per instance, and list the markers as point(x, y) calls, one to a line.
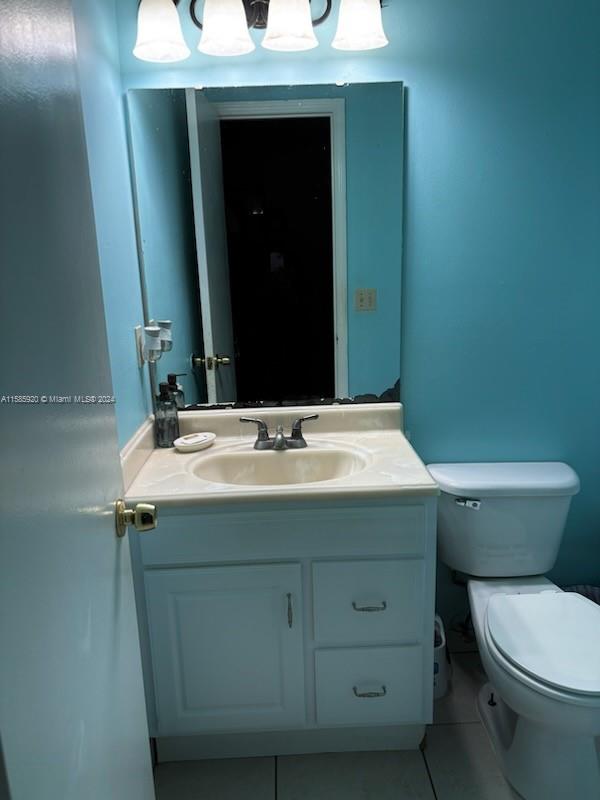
point(284, 743)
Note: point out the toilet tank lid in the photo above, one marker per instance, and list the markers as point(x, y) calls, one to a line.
point(506, 479)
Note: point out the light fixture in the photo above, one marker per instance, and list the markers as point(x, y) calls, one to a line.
point(225, 29)
point(159, 36)
point(289, 26)
point(360, 26)
point(225, 25)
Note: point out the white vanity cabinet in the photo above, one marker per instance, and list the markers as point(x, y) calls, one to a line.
point(289, 629)
point(227, 647)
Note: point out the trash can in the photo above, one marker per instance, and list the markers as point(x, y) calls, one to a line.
point(441, 660)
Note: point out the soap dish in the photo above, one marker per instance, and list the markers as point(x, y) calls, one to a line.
point(194, 441)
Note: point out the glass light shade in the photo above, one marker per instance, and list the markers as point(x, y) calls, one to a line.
point(360, 26)
point(159, 36)
point(224, 29)
point(289, 26)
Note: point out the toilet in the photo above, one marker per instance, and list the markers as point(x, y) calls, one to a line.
point(501, 526)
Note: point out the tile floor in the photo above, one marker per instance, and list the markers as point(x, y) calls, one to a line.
point(457, 763)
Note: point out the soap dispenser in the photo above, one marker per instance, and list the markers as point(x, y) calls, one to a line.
point(166, 423)
point(176, 389)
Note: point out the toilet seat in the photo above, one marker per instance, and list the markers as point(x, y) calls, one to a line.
point(550, 639)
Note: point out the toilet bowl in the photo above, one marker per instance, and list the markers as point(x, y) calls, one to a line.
point(539, 646)
point(544, 735)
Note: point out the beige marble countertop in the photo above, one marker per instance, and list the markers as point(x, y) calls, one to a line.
point(372, 432)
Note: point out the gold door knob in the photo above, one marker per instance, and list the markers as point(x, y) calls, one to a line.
point(144, 517)
point(210, 362)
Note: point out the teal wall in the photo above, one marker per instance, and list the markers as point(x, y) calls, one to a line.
point(161, 161)
point(502, 269)
point(501, 282)
point(374, 127)
point(98, 62)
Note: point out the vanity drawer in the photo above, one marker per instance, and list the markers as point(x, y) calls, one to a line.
point(368, 601)
point(371, 685)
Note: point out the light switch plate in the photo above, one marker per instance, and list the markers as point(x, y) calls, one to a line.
point(365, 299)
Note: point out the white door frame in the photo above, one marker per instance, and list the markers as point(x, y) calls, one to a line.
point(335, 110)
point(211, 243)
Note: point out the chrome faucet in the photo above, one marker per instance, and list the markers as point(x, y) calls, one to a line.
point(263, 442)
point(297, 440)
point(279, 442)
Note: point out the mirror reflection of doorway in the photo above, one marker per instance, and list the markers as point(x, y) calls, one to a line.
point(176, 154)
point(278, 202)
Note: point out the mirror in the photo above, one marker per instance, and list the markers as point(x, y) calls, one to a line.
point(270, 232)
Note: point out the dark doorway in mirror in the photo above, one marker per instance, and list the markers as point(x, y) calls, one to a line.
point(278, 204)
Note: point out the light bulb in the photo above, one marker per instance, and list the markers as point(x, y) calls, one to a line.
point(159, 36)
point(289, 26)
point(225, 29)
point(360, 26)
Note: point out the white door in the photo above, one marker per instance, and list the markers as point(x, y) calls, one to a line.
point(71, 695)
point(211, 245)
point(227, 647)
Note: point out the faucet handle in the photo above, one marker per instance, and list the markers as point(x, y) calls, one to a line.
point(297, 426)
point(263, 431)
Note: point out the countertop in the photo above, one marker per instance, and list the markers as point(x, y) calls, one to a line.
point(373, 432)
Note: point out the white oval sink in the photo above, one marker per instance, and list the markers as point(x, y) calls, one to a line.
point(274, 468)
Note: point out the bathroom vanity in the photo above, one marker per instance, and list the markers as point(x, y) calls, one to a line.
point(286, 617)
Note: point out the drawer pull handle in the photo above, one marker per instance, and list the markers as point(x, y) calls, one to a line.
point(370, 609)
point(382, 693)
point(290, 611)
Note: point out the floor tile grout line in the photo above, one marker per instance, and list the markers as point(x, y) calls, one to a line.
point(431, 783)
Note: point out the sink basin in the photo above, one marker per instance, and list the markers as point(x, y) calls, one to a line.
point(274, 468)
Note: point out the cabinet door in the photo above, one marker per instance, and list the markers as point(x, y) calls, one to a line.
point(227, 647)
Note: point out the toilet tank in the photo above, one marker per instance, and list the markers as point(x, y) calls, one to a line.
point(503, 519)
